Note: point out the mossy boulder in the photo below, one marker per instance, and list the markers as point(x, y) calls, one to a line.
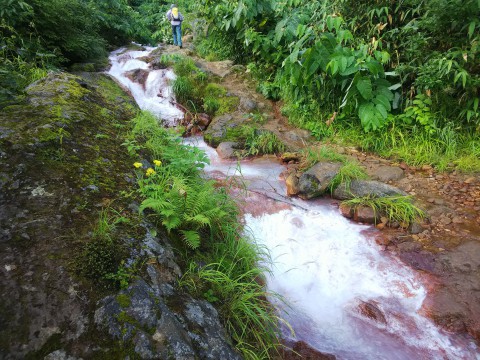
point(62, 161)
point(362, 188)
point(222, 128)
point(315, 181)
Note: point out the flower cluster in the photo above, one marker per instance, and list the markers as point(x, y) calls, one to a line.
point(149, 171)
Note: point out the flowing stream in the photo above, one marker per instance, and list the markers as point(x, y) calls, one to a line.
point(345, 296)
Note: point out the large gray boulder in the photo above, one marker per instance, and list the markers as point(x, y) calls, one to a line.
point(361, 188)
point(315, 181)
point(158, 321)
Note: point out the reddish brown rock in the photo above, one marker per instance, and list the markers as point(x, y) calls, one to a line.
point(346, 211)
point(365, 214)
point(302, 351)
point(371, 311)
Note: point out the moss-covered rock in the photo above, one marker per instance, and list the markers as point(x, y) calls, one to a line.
point(62, 161)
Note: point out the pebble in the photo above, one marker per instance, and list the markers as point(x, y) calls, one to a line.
point(10, 267)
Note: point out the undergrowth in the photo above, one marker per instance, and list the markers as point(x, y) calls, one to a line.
point(206, 219)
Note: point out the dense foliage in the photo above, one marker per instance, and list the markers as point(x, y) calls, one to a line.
point(40, 35)
point(408, 67)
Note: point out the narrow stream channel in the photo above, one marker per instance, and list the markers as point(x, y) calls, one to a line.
point(345, 296)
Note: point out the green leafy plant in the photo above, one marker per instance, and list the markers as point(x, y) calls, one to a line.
point(258, 142)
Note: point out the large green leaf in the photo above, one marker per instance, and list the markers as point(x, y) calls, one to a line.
point(372, 116)
point(364, 87)
point(381, 99)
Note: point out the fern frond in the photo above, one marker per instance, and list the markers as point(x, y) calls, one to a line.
point(157, 205)
point(191, 238)
point(172, 222)
point(199, 220)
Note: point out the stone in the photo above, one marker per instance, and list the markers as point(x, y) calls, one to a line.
point(217, 130)
point(287, 157)
point(60, 355)
point(372, 311)
point(315, 181)
point(247, 105)
point(388, 173)
point(227, 150)
point(300, 350)
point(416, 228)
point(361, 188)
point(292, 184)
point(365, 214)
point(138, 75)
point(346, 211)
point(470, 180)
point(203, 120)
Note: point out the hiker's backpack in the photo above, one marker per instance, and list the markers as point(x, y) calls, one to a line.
point(175, 14)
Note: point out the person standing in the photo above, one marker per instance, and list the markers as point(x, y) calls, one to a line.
point(175, 17)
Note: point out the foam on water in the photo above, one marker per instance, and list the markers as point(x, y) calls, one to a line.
point(157, 95)
point(325, 267)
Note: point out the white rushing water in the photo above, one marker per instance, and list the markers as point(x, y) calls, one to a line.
point(157, 95)
point(326, 268)
point(324, 265)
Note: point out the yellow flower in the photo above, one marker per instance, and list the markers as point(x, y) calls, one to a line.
point(137, 165)
point(150, 171)
point(157, 162)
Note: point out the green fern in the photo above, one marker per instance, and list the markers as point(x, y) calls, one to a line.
point(191, 238)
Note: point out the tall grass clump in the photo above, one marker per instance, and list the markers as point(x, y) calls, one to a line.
point(398, 209)
point(205, 218)
point(348, 172)
point(312, 155)
point(258, 142)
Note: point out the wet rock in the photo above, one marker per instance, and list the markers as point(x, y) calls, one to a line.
point(217, 130)
point(227, 150)
point(388, 173)
point(409, 246)
point(346, 211)
point(416, 228)
point(446, 311)
point(371, 311)
point(292, 185)
point(191, 329)
point(203, 120)
point(301, 350)
point(315, 181)
point(138, 75)
point(287, 157)
point(60, 355)
point(361, 188)
point(365, 214)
